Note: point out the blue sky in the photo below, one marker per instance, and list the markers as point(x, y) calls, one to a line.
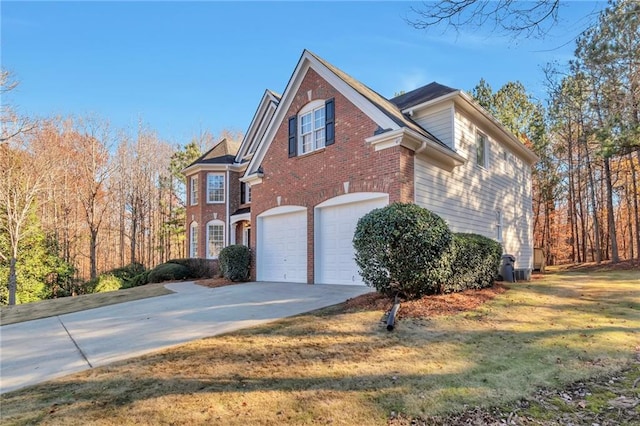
point(183, 68)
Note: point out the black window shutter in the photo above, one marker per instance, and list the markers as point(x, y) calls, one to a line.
point(293, 131)
point(329, 122)
point(243, 193)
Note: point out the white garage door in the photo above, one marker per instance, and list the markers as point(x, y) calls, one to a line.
point(335, 225)
point(282, 246)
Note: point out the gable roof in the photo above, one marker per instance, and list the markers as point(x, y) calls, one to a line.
point(386, 106)
point(258, 125)
point(421, 95)
point(382, 111)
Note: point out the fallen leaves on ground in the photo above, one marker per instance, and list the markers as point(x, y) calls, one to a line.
point(216, 282)
point(428, 306)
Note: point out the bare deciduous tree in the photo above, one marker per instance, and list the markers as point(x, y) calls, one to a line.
point(531, 18)
point(11, 123)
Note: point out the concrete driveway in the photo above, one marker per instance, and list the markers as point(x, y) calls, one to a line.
point(35, 351)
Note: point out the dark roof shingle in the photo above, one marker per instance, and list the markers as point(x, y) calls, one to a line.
point(421, 95)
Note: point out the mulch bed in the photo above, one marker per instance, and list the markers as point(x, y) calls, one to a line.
point(428, 306)
point(216, 282)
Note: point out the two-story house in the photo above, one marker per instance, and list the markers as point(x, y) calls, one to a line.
point(330, 149)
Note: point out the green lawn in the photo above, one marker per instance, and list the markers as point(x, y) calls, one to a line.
point(339, 367)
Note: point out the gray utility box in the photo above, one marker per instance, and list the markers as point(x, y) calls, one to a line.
point(507, 268)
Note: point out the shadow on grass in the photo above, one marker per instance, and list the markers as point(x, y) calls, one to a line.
point(429, 367)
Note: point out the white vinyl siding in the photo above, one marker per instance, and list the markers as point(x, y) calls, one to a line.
point(468, 197)
point(439, 122)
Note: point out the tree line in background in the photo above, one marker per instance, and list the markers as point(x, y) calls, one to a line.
point(78, 197)
point(587, 136)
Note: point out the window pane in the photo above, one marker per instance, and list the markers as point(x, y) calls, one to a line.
point(481, 150)
point(215, 188)
point(319, 138)
point(307, 143)
point(194, 241)
point(318, 118)
point(216, 239)
point(305, 123)
point(194, 190)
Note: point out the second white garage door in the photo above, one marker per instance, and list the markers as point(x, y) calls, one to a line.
point(282, 245)
point(335, 227)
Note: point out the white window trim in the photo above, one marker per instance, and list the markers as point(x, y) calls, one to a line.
point(193, 193)
point(193, 248)
point(224, 236)
point(485, 159)
point(310, 108)
point(224, 183)
point(245, 235)
point(247, 193)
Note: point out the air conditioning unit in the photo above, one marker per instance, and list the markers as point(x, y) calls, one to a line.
point(522, 274)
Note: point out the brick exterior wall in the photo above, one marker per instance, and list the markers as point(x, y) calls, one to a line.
point(310, 179)
point(204, 212)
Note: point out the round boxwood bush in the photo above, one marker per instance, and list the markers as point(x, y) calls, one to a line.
point(107, 283)
point(235, 261)
point(399, 250)
point(168, 272)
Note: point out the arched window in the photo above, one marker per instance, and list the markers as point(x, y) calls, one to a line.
point(193, 239)
point(215, 238)
point(312, 128)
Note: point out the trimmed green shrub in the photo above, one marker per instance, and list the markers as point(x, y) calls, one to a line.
point(235, 261)
point(138, 280)
point(198, 268)
point(399, 248)
point(128, 272)
point(106, 283)
point(168, 272)
point(473, 261)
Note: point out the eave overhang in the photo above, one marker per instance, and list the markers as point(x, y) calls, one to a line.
point(199, 167)
point(252, 179)
point(420, 145)
point(466, 102)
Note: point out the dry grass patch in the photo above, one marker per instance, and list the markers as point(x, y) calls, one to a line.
point(67, 305)
point(342, 367)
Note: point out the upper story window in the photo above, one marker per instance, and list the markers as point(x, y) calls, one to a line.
point(482, 146)
point(245, 193)
point(215, 188)
point(193, 194)
point(313, 128)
